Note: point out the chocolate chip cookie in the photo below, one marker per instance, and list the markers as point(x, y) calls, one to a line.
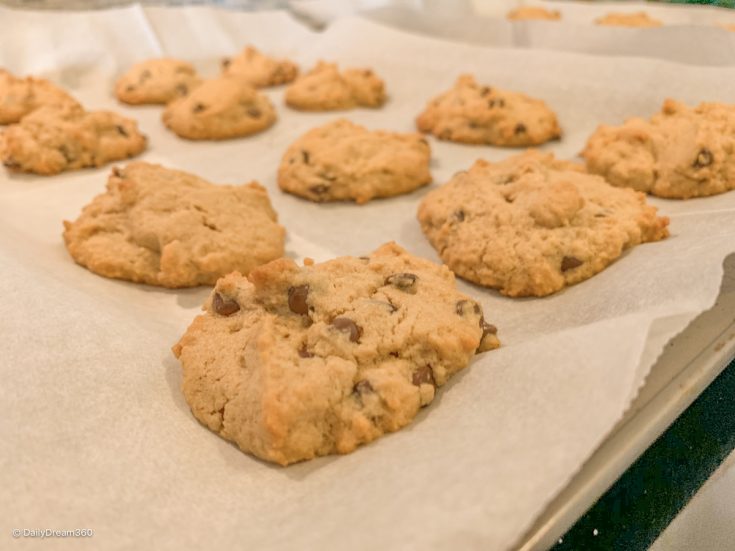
point(166, 227)
point(679, 153)
point(294, 362)
point(638, 19)
point(258, 69)
point(525, 13)
point(325, 88)
point(344, 161)
point(21, 96)
point(156, 81)
point(220, 109)
point(471, 113)
point(531, 225)
point(51, 140)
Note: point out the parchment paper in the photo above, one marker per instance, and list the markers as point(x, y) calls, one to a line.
point(95, 432)
point(691, 34)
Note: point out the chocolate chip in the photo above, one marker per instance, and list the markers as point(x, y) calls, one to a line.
point(704, 158)
point(458, 215)
point(145, 75)
point(297, 299)
point(404, 281)
point(346, 325)
point(121, 130)
point(254, 112)
point(485, 90)
point(198, 108)
point(117, 172)
point(305, 155)
point(423, 376)
point(520, 128)
point(487, 328)
point(226, 62)
point(224, 307)
point(182, 89)
point(319, 189)
point(363, 387)
point(129, 88)
point(304, 353)
point(569, 263)
point(500, 102)
point(466, 307)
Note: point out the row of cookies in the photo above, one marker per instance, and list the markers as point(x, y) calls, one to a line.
point(639, 19)
point(229, 106)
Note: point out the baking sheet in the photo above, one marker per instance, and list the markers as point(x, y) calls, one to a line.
point(100, 434)
point(691, 34)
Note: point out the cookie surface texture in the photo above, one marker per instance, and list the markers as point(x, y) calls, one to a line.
point(294, 362)
point(173, 229)
point(679, 153)
point(156, 81)
point(220, 109)
point(344, 161)
point(51, 140)
point(326, 88)
point(531, 225)
point(471, 113)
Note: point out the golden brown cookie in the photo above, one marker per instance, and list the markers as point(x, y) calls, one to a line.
point(325, 88)
point(220, 109)
point(294, 362)
point(258, 69)
point(51, 140)
point(531, 225)
point(344, 161)
point(679, 153)
point(166, 227)
point(471, 113)
point(156, 81)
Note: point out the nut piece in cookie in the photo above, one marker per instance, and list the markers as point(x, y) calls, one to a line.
point(471, 113)
point(533, 13)
point(293, 362)
point(156, 81)
point(531, 225)
point(220, 109)
point(637, 19)
point(51, 140)
point(344, 161)
point(679, 153)
point(260, 70)
point(166, 227)
point(21, 96)
point(325, 88)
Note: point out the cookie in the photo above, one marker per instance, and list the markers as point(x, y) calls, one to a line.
point(220, 109)
point(637, 19)
point(679, 153)
point(344, 161)
point(470, 113)
point(531, 225)
point(21, 96)
point(259, 70)
point(294, 362)
point(156, 81)
point(51, 140)
point(533, 12)
point(173, 229)
point(325, 88)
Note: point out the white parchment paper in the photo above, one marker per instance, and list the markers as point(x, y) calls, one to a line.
point(95, 432)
